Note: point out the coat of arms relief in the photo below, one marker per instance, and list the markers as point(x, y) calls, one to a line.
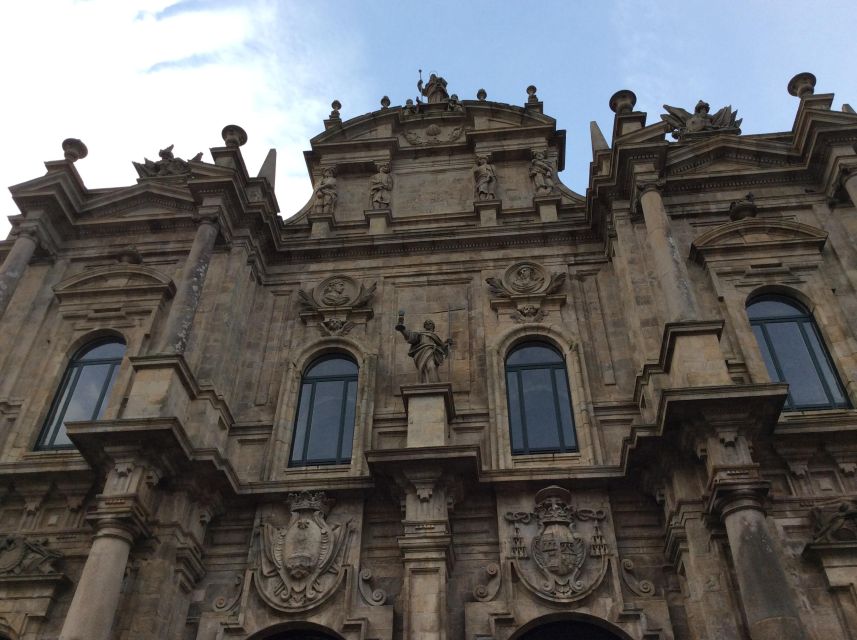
point(566, 556)
point(300, 563)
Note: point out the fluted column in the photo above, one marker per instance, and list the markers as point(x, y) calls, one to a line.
point(669, 264)
point(768, 602)
point(189, 290)
point(16, 263)
point(93, 607)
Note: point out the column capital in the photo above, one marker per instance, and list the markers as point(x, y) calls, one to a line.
point(646, 186)
point(728, 497)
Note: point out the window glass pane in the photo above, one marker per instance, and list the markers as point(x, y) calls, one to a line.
point(798, 369)
point(300, 423)
point(348, 432)
point(104, 400)
point(515, 427)
point(565, 408)
point(326, 415)
point(823, 359)
point(766, 354)
point(533, 354)
point(85, 393)
point(774, 309)
point(540, 409)
point(332, 367)
point(109, 350)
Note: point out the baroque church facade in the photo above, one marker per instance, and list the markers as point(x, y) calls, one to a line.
point(448, 399)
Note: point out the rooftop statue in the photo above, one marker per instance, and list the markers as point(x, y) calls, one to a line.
point(168, 165)
point(434, 90)
point(427, 349)
point(541, 173)
point(689, 125)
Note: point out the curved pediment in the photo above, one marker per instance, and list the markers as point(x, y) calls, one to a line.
point(116, 280)
point(753, 236)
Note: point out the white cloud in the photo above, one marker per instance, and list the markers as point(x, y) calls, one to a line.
point(129, 78)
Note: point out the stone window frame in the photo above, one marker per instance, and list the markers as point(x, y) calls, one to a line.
point(803, 317)
point(822, 306)
point(54, 367)
point(277, 464)
point(499, 441)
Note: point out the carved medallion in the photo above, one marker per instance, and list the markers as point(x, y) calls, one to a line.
point(19, 556)
point(568, 554)
point(301, 561)
point(524, 288)
point(433, 134)
point(336, 305)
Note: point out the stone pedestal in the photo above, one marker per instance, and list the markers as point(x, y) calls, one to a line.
point(839, 562)
point(322, 224)
point(379, 220)
point(488, 212)
point(430, 409)
point(548, 207)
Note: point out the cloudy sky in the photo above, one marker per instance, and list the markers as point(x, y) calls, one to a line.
point(129, 77)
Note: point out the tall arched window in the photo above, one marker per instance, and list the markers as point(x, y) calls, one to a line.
point(324, 424)
point(84, 390)
point(794, 353)
point(540, 418)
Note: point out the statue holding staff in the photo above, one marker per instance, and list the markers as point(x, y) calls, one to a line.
point(427, 349)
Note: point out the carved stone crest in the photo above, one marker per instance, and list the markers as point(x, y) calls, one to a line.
point(568, 553)
point(336, 305)
point(687, 125)
point(168, 165)
point(301, 561)
point(434, 134)
point(20, 556)
point(524, 288)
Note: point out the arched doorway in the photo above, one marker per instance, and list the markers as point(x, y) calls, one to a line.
point(567, 630)
point(296, 631)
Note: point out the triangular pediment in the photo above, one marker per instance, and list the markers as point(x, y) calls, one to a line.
point(753, 237)
point(145, 199)
point(727, 154)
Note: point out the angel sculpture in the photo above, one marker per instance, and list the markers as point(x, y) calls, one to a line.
point(688, 125)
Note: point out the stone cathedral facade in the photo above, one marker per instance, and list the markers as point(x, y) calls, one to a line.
point(448, 399)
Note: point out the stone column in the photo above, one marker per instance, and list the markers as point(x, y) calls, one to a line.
point(15, 263)
point(177, 331)
point(849, 181)
point(670, 267)
point(765, 594)
point(93, 608)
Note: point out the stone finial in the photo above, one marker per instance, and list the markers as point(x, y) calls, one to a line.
point(233, 135)
point(802, 85)
point(336, 105)
point(385, 102)
point(743, 208)
point(623, 101)
point(74, 149)
point(481, 95)
point(531, 94)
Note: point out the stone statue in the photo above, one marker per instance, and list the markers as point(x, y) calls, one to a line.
point(410, 108)
point(427, 349)
point(541, 173)
point(168, 165)
point(838, 526)
point(485, 178)
point(325, 192)
point(380, 187)
point(434, 90)
point(687, 125)
point(454, 104)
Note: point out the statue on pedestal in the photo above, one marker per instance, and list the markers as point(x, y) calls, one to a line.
point(485, 178)
point(380, 187)
point(427, 349)
point(325, 192)
point(541, 173)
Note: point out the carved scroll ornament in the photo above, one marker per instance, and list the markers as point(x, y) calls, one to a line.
point(301, 561)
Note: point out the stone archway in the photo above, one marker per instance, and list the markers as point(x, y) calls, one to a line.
point(296, 631)
point(567, 630)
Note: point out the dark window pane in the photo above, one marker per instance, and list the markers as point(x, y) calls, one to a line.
point(106, 351)
point(833, 385)
point(83, 405)
point(564, 402)
point(805, 386)
point(348, 426)
point(771, 308)
point(332, 367)
point(766, 354)
point(301, 422)
point(533, 354)
point(515, 426)
point(540, 409)
point(110, 382)
point(326, 417)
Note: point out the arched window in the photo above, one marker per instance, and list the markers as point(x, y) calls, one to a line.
point(540, 418)
point(84, 390)
point(794, 353)
point(324, 424)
